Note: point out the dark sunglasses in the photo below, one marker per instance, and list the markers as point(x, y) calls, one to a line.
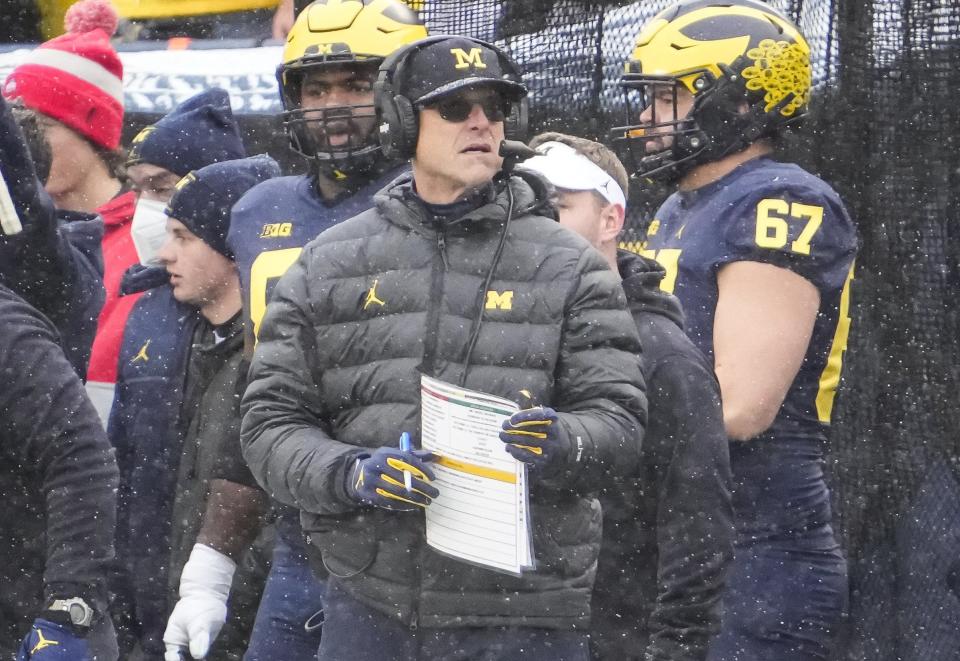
point(457, 108)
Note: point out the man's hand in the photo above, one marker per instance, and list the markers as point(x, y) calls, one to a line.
point(533, 437)
point(199, 615)
point(54, 642)
point(377, 479)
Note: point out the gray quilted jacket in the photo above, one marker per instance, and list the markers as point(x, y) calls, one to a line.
point(392, 293)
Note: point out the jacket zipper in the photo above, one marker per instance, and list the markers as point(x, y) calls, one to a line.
point(428, 366)
point(442, 247)
point(431, 339)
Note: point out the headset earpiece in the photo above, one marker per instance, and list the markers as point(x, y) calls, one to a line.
point(408, 124)
point(515, 125)
point(387, 120)
point(397, 116)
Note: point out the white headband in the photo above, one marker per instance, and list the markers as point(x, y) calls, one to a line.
point(567, 169)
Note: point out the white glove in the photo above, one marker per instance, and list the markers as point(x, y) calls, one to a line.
point(199, 615)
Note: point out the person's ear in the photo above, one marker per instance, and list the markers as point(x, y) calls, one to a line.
point(611, 222)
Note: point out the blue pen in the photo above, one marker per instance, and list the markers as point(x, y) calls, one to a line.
point(405, 447)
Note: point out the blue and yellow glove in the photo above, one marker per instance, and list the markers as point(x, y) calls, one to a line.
point(533, 437)
point(54, 642)
point(378, 480)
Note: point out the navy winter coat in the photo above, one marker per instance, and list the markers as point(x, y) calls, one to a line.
point(143, 428)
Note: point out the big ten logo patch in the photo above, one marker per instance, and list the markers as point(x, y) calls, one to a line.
point(276, 230)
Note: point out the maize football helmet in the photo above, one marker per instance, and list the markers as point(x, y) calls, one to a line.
point(338, 33)
point(746, 65)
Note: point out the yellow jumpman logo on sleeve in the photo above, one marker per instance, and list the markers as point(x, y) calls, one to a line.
point(142, 354)
point(43, 643)
point(372, 296)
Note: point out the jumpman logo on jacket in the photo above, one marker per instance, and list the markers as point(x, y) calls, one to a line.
point(42, 643)
point(142, 354)
point(372, 297)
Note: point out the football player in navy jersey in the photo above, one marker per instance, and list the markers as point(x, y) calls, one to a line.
point(760, 253)
point(326, 82)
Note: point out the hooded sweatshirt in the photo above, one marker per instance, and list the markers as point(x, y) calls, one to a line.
point(668, 536)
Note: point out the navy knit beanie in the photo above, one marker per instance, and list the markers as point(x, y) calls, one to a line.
point(198, 132)
point(204, 198)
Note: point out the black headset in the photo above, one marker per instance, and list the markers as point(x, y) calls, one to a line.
point(399, 121)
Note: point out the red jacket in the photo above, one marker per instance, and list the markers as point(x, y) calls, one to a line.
point(118, 255)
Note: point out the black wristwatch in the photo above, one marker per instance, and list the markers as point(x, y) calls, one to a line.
point(79, 612)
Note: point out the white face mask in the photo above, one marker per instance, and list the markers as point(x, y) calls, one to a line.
point(149, 230)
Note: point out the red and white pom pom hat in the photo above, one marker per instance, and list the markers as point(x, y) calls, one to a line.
point(76, 78)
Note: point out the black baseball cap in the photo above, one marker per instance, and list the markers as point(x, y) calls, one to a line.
point(452, 64)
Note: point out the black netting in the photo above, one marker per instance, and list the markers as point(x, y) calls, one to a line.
point(892, 123)
point(883, 131)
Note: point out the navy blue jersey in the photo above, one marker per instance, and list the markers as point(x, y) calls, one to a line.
point(779, 214)
point(271, 223)
point(269, 226)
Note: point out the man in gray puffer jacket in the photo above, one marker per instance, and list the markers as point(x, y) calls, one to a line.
point(460, 272)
